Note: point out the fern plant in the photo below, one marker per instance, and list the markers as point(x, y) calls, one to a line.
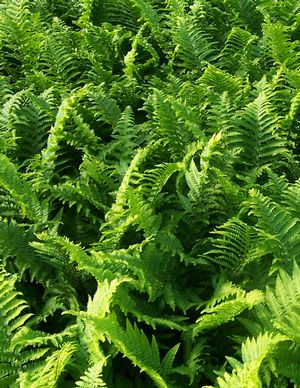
point(149, 186)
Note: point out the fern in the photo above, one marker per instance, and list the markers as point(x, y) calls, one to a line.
point(257, 133)
point(194, 46)
point(237, 51)
point(92, 378)
point(276, 225)
point(114, 13)
point(20, 191)
point(279, 46)
point(149, 190)
point(58, 62)
point(226, 311)
point(235, 246)
point(253, 353)
point(133, 343)
point(48, 375)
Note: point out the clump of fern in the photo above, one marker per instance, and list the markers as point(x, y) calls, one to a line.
point(149, 185)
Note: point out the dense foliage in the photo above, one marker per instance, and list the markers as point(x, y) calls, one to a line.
point(150, 193)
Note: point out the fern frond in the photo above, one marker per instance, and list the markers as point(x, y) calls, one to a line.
point(86, 12)
point(132, 304)
point(48, 375)
point(283, 303)
point(195, 179)
point(92, 378)
point(291, 198)
point(279, 46)
point(149, 14)
point(27, 337)
point(194, 47)
point(237, 52)
point(12, 319)
point(257, 133)
point(11, 181)
point(106, 108)
point(279, 229)
point(56, 133)
point(227, 311)
point(58, 61)
point(8, 115)
point(117, 220)
point(20, 41)
point(169, 125)
point(11, 306)
point(116, 13)
point(253, 353)
point(134, 344)
point(153, 181)
point(235, 246)
point(34, 115)
point(124, 143)
point(8, 206)
point(6, 91)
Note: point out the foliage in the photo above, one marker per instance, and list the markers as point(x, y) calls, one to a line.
point(149, 193)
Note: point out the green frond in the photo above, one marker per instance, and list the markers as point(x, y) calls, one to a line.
point(238, 50)
point(220, 114)
point(117, 220)
point(12, 319)
point(92, 378)
point(124, 144)
point(27, 337)
point(133, 304)
point(11, 307)
point(234, 246)
point(106, 108)
point(227, 311)
point(14, 242)
point(254, 351)
point(153, 181)
point(48, 375)
point(56, 133)
point(6, 91)
point(114, 12)
point(169, 126)
point(291, 198)
point(276, 186)
point(20, 42)
point(257, 134)
point(283, 303)
point(7, 118)
point(193, 46)
point(276, 225)
point(8, 206)
point(86, 7)
point(134, 344)
point(279, 46)
point(11, 181)
point(36, 115)
point(58, 61)
point(100, 305)
point(285, 11)
point(148, 14)
point(195, 179)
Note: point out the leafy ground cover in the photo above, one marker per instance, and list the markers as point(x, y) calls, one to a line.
point(149, 193)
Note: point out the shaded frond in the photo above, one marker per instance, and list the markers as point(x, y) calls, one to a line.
point(276, 225)
point(234, 246)
point(194, 47)
point(257, 133)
